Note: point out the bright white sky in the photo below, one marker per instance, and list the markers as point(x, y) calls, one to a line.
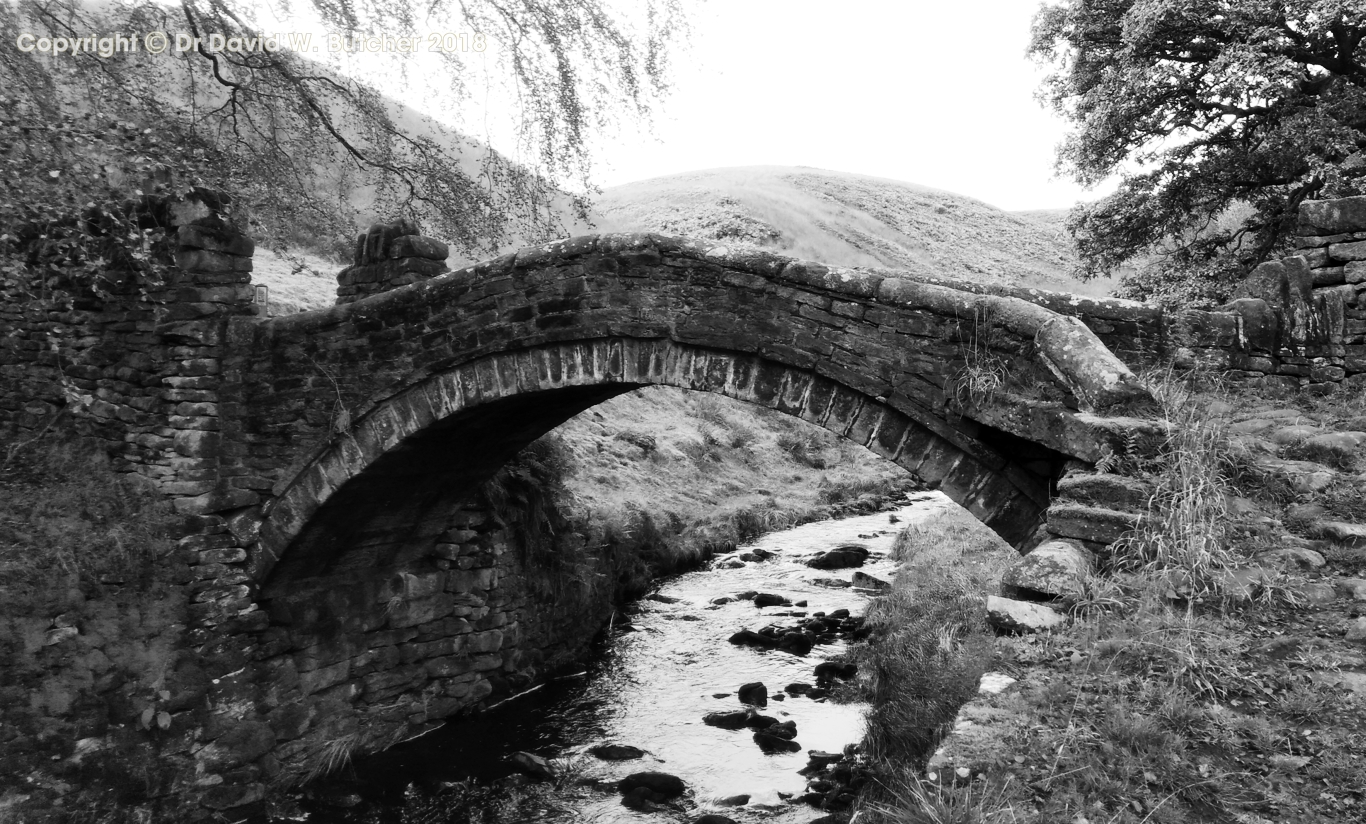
point(926, 91)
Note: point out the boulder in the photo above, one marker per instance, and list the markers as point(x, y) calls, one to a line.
point(754, 693)
point(1294, 434)
point(841, 557)
point(787, 729)
point(617, 752)
point(663, 784)
point(768, 599)
point(1316, 593)
point(1303, 476)
point(1057, 568)
point(728, 720)
point(532, 765)
point(770, 743)
point(795, 642)
point(1354, 588)
point(713, 818)
point(1342, 532)
point(750, 638)
point(866, 581)
point(1021, 616)
point(1356, 629)
point(828, 670)
point(1297, 558)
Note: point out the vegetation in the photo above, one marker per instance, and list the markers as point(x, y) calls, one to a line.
point(1180, 692)
point(607, 509)
point(89, 609)
point(67, 521)
point(1204, 109)
point(307, 147)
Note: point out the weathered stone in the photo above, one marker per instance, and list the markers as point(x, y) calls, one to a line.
point(1102, 526)
point(245, 741)
point(533, 765)
point(1356, 629)
point(1021, 616)
point(865, 581)
point(1298, 558)
point(1342, 532)
point(1055, 568)
point(1330, 217)
point(664, 784)
point(1347, 251)
point(1353, 588)
point(1106, 490)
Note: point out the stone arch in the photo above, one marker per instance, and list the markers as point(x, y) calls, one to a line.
point(374, 495)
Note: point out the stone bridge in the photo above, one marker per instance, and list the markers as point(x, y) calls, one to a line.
point(344, 583)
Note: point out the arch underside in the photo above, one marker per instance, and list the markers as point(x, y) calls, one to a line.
point(375, 495)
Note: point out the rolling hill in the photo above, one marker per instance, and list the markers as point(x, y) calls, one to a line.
point(852, 220)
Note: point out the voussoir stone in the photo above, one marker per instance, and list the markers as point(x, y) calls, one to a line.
point(1058, 568)
point(1021, 616)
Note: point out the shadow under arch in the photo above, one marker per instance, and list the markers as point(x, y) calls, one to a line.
point(377, 494)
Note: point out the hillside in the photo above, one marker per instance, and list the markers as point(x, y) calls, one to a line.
point(852, 220)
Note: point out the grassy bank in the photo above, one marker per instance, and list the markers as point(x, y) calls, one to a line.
point(1183, 690)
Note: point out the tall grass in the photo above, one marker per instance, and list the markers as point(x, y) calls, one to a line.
point(1186, 526)
point(929, 646)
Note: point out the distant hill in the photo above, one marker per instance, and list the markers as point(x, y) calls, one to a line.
point(852, 220)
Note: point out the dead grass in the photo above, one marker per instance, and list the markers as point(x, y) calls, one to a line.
point(1154, 710)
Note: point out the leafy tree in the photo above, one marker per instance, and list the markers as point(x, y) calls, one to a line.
point(1221, 116)
point(309, 149)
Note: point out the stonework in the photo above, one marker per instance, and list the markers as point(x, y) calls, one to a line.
point(346, 584)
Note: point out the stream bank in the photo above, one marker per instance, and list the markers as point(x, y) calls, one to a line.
point(675, 678)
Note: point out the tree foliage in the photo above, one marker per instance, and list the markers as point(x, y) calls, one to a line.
point(1221, 116)
point(309, 149)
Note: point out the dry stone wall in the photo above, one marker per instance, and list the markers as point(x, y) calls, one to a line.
point(134, 364)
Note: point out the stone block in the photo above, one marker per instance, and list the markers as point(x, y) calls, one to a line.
point(1106, 490)
point(213, 239)
point(200, 260)
point(418, 246)
point(1328, 217)
point(1102, 526)
point(420, 611)
point(1344, 252)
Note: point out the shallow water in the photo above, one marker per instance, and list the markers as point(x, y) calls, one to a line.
point(651, 684)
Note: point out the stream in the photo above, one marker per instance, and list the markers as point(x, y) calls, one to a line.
point(666, 663)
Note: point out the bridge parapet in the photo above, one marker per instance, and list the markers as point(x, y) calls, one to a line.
point(388, 256)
